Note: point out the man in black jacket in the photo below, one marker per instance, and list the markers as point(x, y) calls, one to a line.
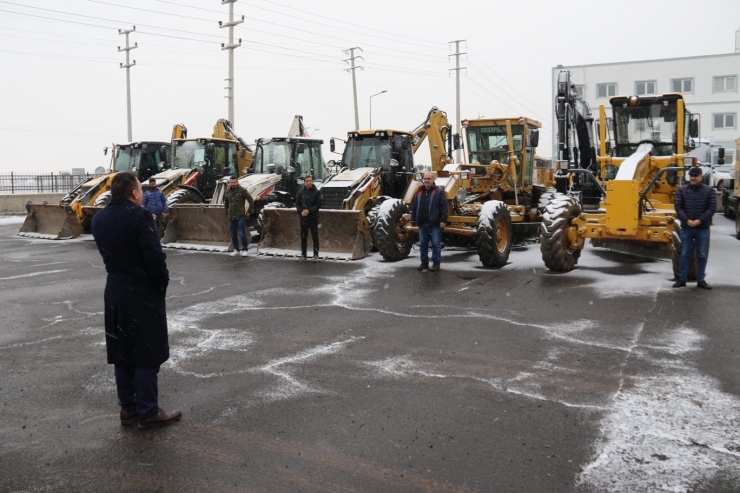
point(308, 202)
point(695, 205)
point(429, 212)
point(135, 318)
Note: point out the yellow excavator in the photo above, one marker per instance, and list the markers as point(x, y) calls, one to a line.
point(637, 173)
point(376, 165)
point(69, 218)
point(491, 196)
point(273, 181)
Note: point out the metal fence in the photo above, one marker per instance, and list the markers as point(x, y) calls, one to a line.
point(11, 183)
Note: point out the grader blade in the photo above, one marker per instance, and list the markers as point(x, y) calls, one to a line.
point(53, 222)
point(343, 235)
point(644, 249)
point(198, 227)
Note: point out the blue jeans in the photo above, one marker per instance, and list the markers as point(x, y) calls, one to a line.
point(699, 239)
point(239, 225)
point(425, 232)
point(137, 390)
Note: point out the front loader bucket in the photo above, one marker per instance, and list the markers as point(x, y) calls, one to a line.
point(198, 227)
point(52, 222)
point(343, 235)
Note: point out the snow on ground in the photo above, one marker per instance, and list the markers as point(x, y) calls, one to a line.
point(670, 430)
point(11, 220)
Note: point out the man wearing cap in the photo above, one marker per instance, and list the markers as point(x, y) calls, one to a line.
point(695, 205)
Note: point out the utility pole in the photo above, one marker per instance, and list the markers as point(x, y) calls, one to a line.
point(351, 59)
point(458, 155)
point(128, 66)
point(231, 46)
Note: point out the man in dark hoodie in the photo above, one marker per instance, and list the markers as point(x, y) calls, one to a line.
point(695, 205)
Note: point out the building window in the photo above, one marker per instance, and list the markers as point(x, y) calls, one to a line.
point(682, 85)
point(581, 90)
point(646, 87)
point(606, 90)
point(723, 120)
point(725, 83)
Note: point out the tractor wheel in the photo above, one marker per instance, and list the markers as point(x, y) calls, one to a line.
point(494, 234)
point(726, 210)
point(391, 238)
point(559, 252)
point(183, 196)
point(102, 199)
point(261, 217)
point(545, 199)
point(737, 221)
point(372, 221)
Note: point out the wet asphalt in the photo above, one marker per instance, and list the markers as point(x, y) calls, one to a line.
point(351, 376)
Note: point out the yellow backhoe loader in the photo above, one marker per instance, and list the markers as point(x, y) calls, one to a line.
point(490, 196)
point(637, 175)
point(279, 166)
point(376, 165)
point(71, 217)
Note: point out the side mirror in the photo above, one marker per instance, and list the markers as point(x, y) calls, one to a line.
point(394, 163)
point(456, 142)
point(534, 137)
point(694, 127)
point(331, 163)
point(721, 155)
point(332, 145)
point(105, 151)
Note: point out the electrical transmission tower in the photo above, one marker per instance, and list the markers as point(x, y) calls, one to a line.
point(128, 66)
point(231, 47)
point(351, 60)
point(458, 127)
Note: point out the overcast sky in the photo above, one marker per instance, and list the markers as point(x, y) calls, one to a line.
point(63, 95)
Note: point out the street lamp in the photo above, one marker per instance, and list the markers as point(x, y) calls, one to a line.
point(371, 107)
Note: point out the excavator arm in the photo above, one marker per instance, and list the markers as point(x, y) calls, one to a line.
point(437, 129)
point(223, 130)
point(576, 138)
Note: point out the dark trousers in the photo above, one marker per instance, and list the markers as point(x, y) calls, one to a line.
point(137, 390)
point(310, 223)
point(240, 226)
point(430, 232)
point(697, 238)
point(161, 222)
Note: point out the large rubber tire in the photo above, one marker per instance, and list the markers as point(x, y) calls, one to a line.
point(102, 199)
point(737, 221)
point(261, 216)
point(372, 221)
point(392, 240)
point(545, 199)
point(493, 237)
point(676, 255)
point(558, 253)
point(727, 212)
point(183, 196)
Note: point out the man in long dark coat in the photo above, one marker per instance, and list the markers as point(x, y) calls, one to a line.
point(135, 318)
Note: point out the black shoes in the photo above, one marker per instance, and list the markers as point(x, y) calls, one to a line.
point(424, 267)
point(699, 284)
point(435, 267)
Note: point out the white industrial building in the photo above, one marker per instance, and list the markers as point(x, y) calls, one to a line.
point(708, 83)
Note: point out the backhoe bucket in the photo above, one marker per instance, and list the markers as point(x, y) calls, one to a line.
point(52, 222)
point(343, 235)
point(198, 227)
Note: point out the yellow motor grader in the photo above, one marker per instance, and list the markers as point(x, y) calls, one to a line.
point(376, 165)
point(637, 173)
point(71, 216)
point(490, 196)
